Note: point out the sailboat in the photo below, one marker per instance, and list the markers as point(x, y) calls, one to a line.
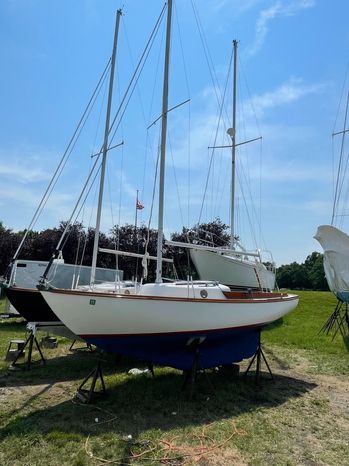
point(234, 265)
point(333, 240)
point(20, 288)
point(162, 322)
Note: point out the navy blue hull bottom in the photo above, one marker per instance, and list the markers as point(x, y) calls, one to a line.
point(176, 350)
point(343, 296)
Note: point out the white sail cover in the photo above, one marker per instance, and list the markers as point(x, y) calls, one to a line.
point(335, 244)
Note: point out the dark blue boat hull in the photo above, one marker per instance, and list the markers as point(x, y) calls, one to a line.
point(178, 350)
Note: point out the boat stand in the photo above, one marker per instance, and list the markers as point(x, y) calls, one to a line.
point(87, 395)
point(190, 376)
point(338, 321)
point(87, 346)
point(258, 357)
point(30, 341)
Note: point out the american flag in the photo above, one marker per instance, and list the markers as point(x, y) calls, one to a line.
point(139, 206)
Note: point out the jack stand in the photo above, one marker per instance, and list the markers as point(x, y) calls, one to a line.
point(87, 395)
point(87, 347)
point(338, 321)
point(190, 376)
point(30, 341)
point(258, 356)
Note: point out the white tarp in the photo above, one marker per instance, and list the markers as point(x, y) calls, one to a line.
point(335, 244)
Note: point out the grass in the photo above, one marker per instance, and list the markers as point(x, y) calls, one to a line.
point(299, 331)
point(301, 417)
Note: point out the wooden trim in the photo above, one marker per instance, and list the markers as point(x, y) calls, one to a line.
point(27, 290)
point(253, 294)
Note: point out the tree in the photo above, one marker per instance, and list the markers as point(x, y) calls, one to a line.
point(315, 270)
point(292, 276)
point(309, 275)
point(136, 240)
point(9, 242)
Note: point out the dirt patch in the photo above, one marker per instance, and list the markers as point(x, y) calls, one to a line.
point(228, 456)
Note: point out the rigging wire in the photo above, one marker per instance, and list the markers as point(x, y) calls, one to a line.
point(142, 106)
point(176, 181)
point(243, 181)
point(247, 210)
point(93, 149)
point(147, 141)
point(152, 202)
point(335, 179)
point(342, 96)
point(243, 163)
point(340, 174)
point(65, 157)
point(189, 112)
point(145, 53)
point(76, 212)
point(207, 54)
point(136, 76)
point(148, 147)
point(215, 138)
point(255, 115)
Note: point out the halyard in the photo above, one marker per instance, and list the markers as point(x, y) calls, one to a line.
point(300, 417)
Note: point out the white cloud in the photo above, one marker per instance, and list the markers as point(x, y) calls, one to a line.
point(24, 202)
point(290, 91)
point(216, 6)
point(318, 207)
point(203, 124)
point(22, 174)
point(26, 164)
point(278, 9)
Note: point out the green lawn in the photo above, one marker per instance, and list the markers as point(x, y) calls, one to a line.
point(299, 331)
point(300, 417)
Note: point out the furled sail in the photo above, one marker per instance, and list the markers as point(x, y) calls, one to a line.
point(335, 244)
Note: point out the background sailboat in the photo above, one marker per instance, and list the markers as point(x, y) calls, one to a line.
point(234, 266)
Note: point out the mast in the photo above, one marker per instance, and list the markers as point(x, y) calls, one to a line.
point(163, 145)
point(105, 149)
point(232, 134)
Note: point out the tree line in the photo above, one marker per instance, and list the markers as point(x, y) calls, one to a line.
point(78, 246)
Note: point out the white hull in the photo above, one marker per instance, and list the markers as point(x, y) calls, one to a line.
point(236, 272)
point(88, 313)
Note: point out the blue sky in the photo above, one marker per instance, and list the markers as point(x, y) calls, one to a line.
point(292, 62)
